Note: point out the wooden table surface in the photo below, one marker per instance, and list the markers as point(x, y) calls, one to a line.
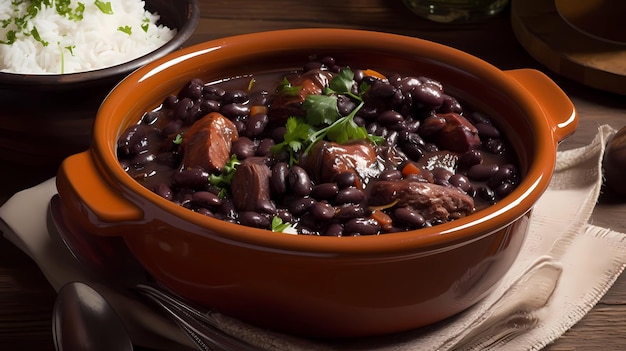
point(26, 298)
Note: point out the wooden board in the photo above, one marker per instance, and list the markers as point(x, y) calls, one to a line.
point(566, 50)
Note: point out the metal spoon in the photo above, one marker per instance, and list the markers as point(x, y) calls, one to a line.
point(83, 320)
point(124, 272)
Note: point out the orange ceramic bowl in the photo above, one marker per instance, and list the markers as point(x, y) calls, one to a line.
point(313, 285)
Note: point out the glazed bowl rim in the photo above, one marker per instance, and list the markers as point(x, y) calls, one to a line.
point(11, 79)
point(447, 235)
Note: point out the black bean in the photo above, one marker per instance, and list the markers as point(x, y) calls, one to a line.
point(486, 194)
point(266, 206)
point(390, 174)
point(460, 181)
point(409, 83)
point(278, 134)
point(390, 117)
point(334, 229)
point(482, 171)
point(278, 179)
point(322, 211)
point(450, 104)
point(479, 117)
point(172, 127)
point(235, 97)
point(243, 148)
point(349, 211)
point(349, 195)
point(285, 215)
point(193, 89)
point(300, 205)
point(470, 158)
point(194, 113)
point(206, 199)
point(208, 106)
point(263, 149)
point(380, 89)
point(413, 151)
point(504, 173)
point(412, 125)
point(345, 105)
point(487, 130)
point(362, 226)
point(143, 158)
point(255, 124)
point(495, 146)
point(235, 110)
point(299, 181)
point(194, 178)
point(182, 108)
point(254, 219)
point(428, 94)
point(228, 209)
point(409, 217)
point(164, 191)
point(170, 101)
point(150, 117)
point(133, 140)
point(505, 189)
point(324, 191)
point(213, 92)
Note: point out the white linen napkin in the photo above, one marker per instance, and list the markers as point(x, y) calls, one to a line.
point(565, 266)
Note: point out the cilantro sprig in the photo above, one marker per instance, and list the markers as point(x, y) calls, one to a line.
point(278, 225)
point(222, 181)
point(322, 120)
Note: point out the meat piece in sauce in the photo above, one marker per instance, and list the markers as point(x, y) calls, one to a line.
point(206, 144)
point(250, 185)
point(328, 159)
point(458, 134)
point(285, 105)
point(431, 200)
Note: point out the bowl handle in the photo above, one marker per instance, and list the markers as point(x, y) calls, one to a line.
point(85, 192)
point(556, 105)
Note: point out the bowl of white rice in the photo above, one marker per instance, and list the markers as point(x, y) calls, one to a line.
point(64, 43)
point(60, 58)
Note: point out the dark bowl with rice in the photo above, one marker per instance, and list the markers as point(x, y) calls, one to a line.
point(46, 117)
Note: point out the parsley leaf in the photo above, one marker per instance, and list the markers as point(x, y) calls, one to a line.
point(105, 7)
point(296, 137)
point(278, 225)
point(125, 29)
point(285, 87)
point(321, 109)
point(222, 180)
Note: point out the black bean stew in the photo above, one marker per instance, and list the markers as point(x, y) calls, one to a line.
point(325, 150)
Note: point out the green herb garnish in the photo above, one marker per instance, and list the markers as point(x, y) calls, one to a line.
point(323, 120)
point(145, 24)
point(285, 88)
point(105, 7)
point(222, 180)
point(178, 139)
point(278, 225)
point(125, 29)
point(19, 23)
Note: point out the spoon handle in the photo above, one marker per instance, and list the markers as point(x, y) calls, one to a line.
point(200, 327)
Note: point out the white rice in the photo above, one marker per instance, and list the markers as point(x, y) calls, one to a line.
point(92, 43)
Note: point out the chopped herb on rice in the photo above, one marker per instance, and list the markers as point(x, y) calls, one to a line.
point(68, 36)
